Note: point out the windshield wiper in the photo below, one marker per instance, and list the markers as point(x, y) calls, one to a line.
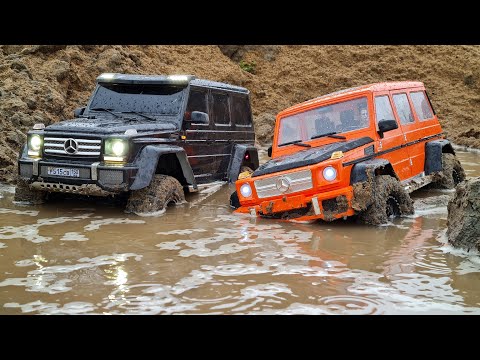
point(332, 134)
point(139, 113)
point(296, 142)
point(107, 110)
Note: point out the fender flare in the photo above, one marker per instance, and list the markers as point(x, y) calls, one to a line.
point(360, 170)
point(147, 161)
point(433, 155)
point(236, 160)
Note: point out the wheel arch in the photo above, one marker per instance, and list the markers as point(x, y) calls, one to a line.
point(433, 155)
point(246, 155)
point(360, 171)
point(162, 159)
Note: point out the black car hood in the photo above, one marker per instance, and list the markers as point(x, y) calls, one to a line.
point(110, 125)
point(309, 157)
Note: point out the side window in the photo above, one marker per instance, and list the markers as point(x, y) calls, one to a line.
point(241, 114)
point(420, 103)
point(197, 101)
point(221, 110)
point(383, 109)
point(403, 108)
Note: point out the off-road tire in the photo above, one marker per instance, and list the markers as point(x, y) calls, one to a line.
point(234, 201)
point(388, 199)
point(23, 192)
point(452, 172)
point(162, 191)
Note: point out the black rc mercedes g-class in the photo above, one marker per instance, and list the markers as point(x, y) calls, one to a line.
point(150, 137)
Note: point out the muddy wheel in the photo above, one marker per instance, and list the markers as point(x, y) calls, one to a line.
point(393, 207)
point(388, 199)
point(452, 172)
point(234, 201)
point(162, 191)
point(23, 192)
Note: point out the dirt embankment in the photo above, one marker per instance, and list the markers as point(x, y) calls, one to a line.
point(464, 216)
point(45, 83)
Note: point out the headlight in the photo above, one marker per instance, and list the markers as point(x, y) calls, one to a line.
point(329, 173)
point(246, 190)
point(34, 145)
point(116, 147)
point(35, 142)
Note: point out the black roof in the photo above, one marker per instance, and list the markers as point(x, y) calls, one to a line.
point(111, 78)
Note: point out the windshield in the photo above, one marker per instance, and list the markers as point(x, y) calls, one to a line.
point(337, 118)
point(150, 99)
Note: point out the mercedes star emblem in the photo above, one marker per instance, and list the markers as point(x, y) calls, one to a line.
point(282, 184)
point(70, 146)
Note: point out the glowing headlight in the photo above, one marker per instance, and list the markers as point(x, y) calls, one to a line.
point(35, 142)
point(329, 173)
point(246, 190)
point(115, 149)
point(118, 148)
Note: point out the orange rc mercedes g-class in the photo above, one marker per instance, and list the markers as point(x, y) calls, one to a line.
point(359, 151)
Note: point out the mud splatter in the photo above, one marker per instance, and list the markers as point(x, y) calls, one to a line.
point(23, 193)
point(162, 191)
point(385, 188)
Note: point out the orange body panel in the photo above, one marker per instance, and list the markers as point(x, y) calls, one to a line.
point(403, 147)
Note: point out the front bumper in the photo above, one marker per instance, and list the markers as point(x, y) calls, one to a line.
point(95, 179)
point(327, 206)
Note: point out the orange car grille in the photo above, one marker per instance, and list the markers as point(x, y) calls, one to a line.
point(284, 184)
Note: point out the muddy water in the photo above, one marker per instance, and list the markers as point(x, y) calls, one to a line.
point(83, 257)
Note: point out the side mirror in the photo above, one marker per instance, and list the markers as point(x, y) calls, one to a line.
point(269, 151)
point(386, 125)
point(199, 117)
point(78, 112)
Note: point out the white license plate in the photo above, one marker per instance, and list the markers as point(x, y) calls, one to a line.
point(63, 172)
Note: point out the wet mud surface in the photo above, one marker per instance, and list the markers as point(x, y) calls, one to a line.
point(89, 257)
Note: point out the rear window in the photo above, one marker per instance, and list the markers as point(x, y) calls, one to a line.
point(420, 103)
point(403, 108)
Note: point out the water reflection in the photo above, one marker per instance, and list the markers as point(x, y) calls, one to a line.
point(200, 258)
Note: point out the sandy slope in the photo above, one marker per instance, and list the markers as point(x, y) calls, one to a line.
point(45, 83)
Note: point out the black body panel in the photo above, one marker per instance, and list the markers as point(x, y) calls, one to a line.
point(106, 124)
point(147, 162)
point(238, 158)
point(360, 171)
point(309, 157)
point(433, 155)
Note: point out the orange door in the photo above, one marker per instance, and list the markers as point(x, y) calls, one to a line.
point(412, 129)
point(393, 142)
